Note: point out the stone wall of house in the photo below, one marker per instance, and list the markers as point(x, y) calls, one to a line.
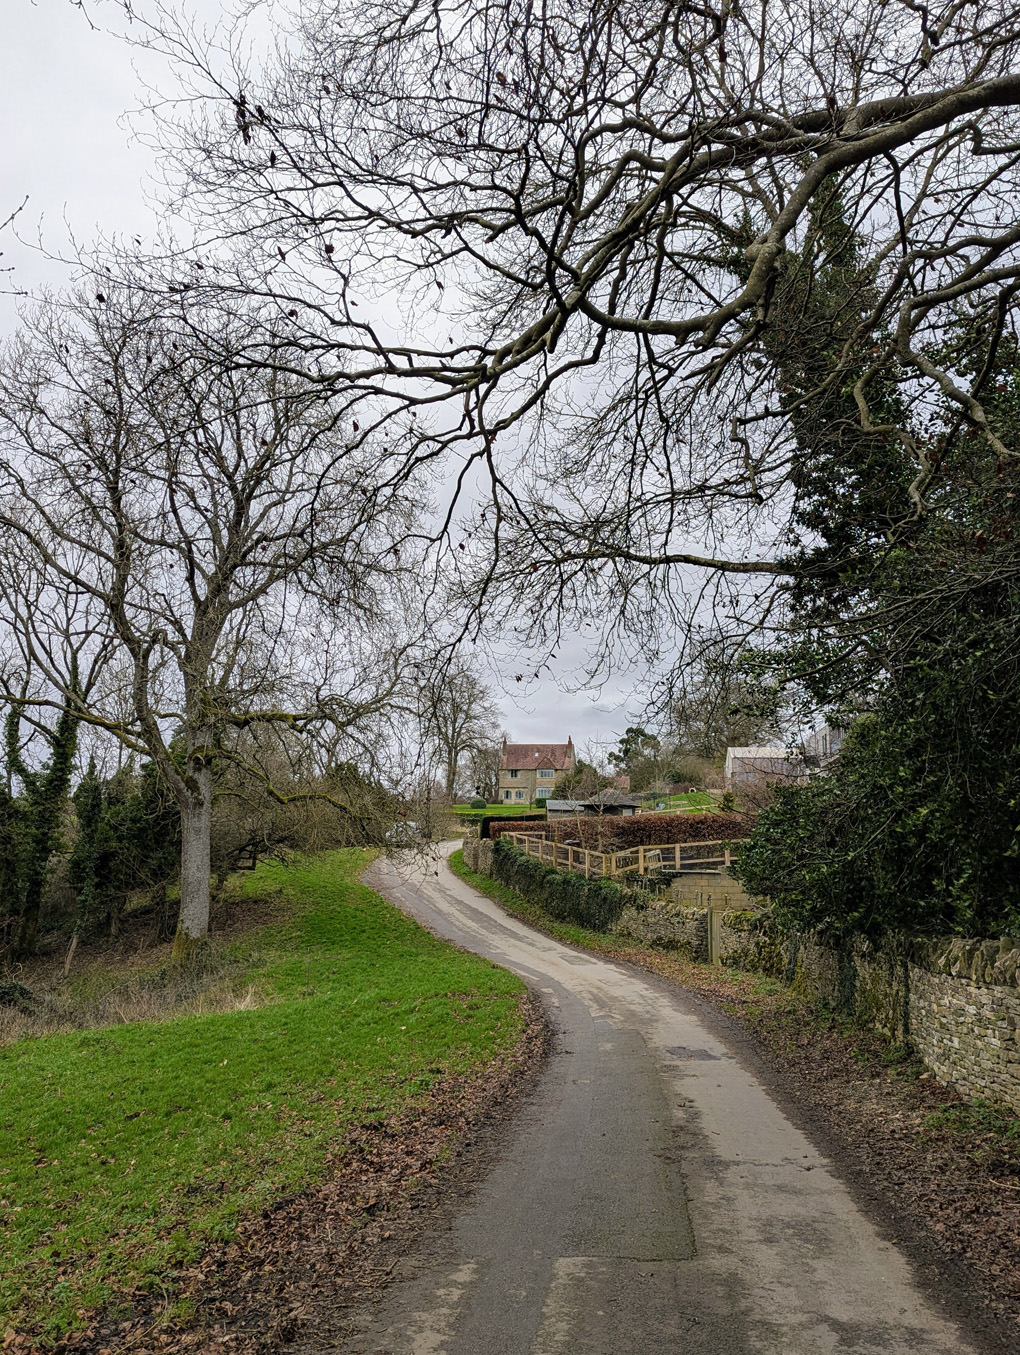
point(955, 1001)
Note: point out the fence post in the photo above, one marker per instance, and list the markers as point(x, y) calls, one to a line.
point(641, 860)
point(714, 934)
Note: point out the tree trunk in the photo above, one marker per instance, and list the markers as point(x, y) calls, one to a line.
point(29, 928)
point(196, 827)
point(166, 914)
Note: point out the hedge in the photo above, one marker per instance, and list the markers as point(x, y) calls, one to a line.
point(595, 904)
point(617, 832)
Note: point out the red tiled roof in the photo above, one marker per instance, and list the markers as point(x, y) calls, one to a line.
point(526, 756)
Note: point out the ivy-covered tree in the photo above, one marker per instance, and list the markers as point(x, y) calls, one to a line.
point(917, 827)
point(31, 822)
point(84, 864)
point(128, 842)
point(907, 623)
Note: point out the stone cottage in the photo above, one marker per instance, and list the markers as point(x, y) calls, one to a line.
point(529, 772)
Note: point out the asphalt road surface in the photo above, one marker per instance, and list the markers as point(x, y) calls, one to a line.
point(650, 1198)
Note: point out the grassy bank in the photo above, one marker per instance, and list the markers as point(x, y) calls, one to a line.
point(125, 1150)
point(693, 800)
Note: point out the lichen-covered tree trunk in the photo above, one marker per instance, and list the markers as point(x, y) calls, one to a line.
point(196, 830)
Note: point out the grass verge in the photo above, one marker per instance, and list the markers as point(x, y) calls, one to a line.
point(126, 1150)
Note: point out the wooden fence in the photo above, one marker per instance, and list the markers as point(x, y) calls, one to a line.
point(673, 856)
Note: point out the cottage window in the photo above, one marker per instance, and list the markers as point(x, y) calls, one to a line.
point(546, 771)
point(514, 774)
point(518, 794)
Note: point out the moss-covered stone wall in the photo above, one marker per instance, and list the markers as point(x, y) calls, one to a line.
point(964, 1019)
point(670, 925)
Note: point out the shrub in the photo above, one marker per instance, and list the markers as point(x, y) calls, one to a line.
point(477, 803)
point(595, 904)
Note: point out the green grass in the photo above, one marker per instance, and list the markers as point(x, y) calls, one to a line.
point(694, 800)
point(980, 1120)
point(468, 814)
point(125, 1150)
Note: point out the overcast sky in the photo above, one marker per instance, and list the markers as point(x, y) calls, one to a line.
point(67, 146)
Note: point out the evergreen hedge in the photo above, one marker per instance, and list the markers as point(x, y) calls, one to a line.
point(568, 897)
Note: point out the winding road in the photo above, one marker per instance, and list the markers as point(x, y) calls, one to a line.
point(651, 1196)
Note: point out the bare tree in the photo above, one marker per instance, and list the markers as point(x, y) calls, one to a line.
point(200, 540)
point(569, 248)
point(482, 768)
point(719, 706)
point(590, 213)
point(459, 718)
point(299, 801)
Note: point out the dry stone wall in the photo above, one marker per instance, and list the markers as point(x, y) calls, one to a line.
point(478, 855)
point(670, 925)
point(964, 1017)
